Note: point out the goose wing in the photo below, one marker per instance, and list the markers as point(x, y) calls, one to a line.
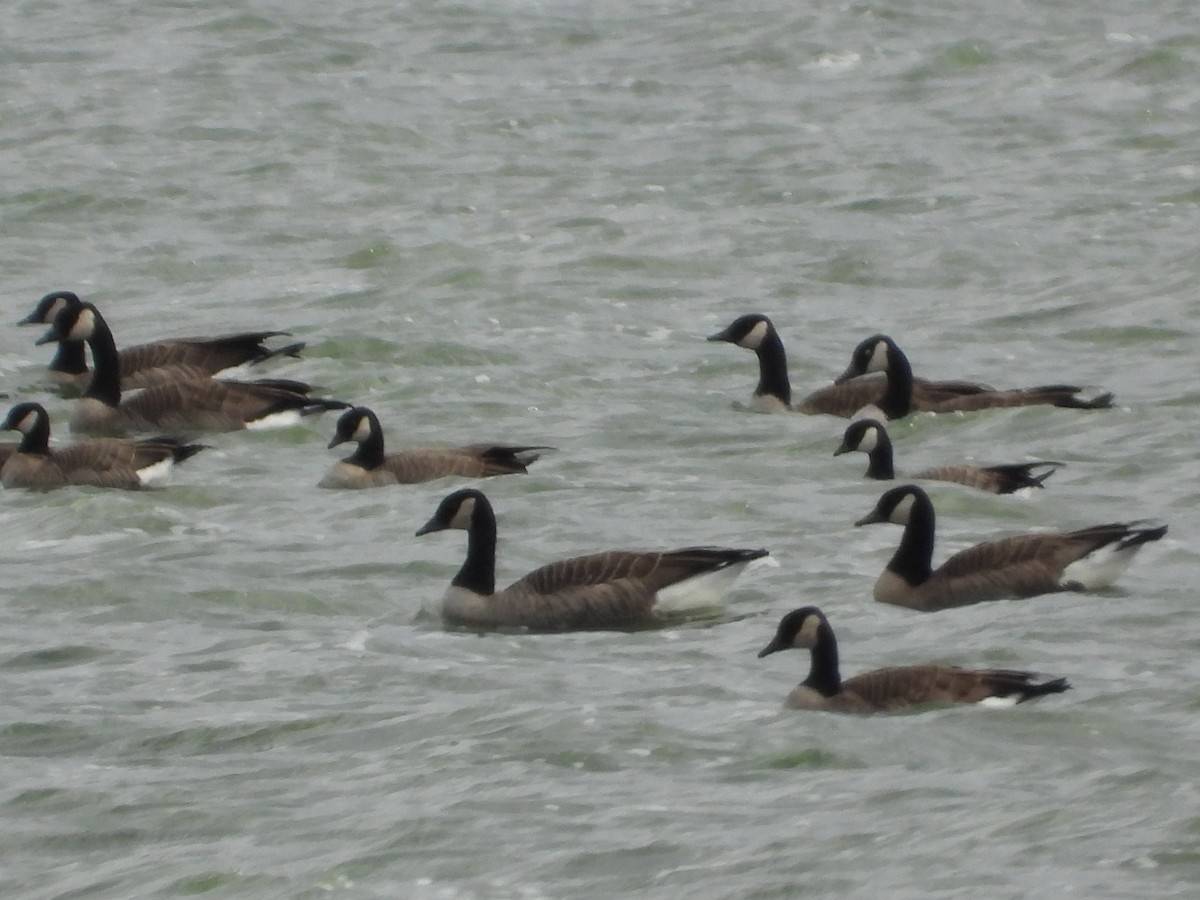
point(1065, 395)
point(848, 397)
point(1001, 479)
point(904, 686)
point(216, 405)
point(471, 461)
point(202, 355)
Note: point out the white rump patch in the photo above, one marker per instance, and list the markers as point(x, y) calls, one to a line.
point(702, 591)
point(156, 472)
point(1100, 568)
point(284, 419)
point(1000, 702)
point(755, 336)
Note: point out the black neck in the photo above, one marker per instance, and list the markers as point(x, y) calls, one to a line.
point(897, 400)
point(823, 675)
point(478, 572)
point(772, 369)
point(37, 439)
point(106, 372)
point(70, 359)
point(369, 453)
point(880, 459)
point(913, 560)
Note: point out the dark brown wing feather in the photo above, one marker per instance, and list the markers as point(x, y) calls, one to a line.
point(204, 355)
point(1002, 479)
point(653, 569)
point(1046, 395)
point(904, 686)
point(208, 404)
point(850, 396)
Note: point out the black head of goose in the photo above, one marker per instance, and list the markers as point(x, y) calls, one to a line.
point(171, 359)
point(103, 462)
point(870, 437)
point(896, 687)
point(846, 398)
point(614, 589)
point(180, 405)
point(904, 394)
point(370, 466)
point(1022, 566)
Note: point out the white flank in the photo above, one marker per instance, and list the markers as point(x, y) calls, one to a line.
point(768, 403)
point(1000, 702)
point(870, 411)
point(702, 591)
point(282, 419)
point(1100, 568)
point(155, 472)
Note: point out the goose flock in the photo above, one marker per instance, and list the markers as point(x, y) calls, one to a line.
point(175, 389)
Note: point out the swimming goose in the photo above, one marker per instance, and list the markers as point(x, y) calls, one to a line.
point(869, 436)
point(102, 462)
point(143, 365)
point(879, 353)
point(845, 398)
point(615, 589)
point(369, 466)
point(185, 405)
point(896, 687)
point(1022, 566)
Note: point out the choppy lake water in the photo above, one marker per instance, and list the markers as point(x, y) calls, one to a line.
point(518, 221)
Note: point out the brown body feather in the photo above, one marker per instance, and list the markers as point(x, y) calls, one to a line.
point(102, 462)
point(369, 466)
point(892, 688)
point(613, 589)
point(1020, 566)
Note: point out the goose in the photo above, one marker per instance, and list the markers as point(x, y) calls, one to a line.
point(846, 398)
point(369, 466)
point(896, 687)
point(871, 437)
point(1022, 566)
point(879, 353)
point(102, 462)
point(614, 589)
point(144, 365)
point(185, 405)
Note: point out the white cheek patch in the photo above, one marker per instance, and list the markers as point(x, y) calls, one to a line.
point(27, 423)
point(879, 358)
point(754, 337)
point(902, 510)
point(869, 440)
point(463, 515)
point(363, 430)
point(807, 637)
point(84, 326)
point(55, 308)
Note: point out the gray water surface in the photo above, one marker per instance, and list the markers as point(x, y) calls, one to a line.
point(518, 221)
